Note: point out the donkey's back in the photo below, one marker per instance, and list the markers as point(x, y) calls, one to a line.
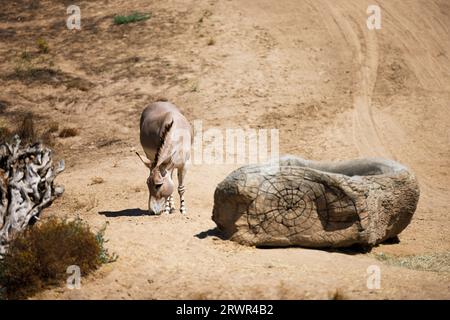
point(154, 119)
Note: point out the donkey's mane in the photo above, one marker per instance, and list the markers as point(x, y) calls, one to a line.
point(162, 145)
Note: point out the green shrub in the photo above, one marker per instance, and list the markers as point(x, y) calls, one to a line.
point(134, 17)
point(42, 45)
point(39, 257)
point(104, 255)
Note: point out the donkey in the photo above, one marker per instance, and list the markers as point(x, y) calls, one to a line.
point(166, 137)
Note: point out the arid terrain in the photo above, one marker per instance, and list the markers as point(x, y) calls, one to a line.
point(311, 68)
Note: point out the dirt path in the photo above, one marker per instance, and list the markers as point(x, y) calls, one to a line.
point(310, 68)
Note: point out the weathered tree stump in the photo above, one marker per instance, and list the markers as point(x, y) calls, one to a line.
point(297, 202)
point(26, 186)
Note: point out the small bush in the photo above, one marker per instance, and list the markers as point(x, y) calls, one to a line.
point(35, 67)
point(42, 45)
point(39, 257)
point(134, 17)
point(27, 56)
point(53, 127)
point(104, 256)
point(68, 132)
point(24, 64)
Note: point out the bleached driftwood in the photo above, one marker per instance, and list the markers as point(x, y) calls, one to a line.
point(26, 186)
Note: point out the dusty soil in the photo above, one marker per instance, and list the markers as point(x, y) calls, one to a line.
point(311, 68)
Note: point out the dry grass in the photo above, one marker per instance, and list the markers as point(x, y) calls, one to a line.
point(37, 68)
point(39, 257)
point(3, 105)
point(97, 180)
point(436, 262)
point(86, 204)
point(42, 45)
point(28, 132)
point(92, 202)
point(107, 142)
point(5, 133)
point(68, 132)
point(26, 129)
point(48, 137)
point(53, 127)
point(336, 295)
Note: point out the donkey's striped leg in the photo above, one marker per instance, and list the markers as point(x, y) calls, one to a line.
point(167, 205)
point(171, 204)
point(181, 188)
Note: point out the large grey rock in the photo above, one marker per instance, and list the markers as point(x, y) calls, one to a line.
point(297, 202)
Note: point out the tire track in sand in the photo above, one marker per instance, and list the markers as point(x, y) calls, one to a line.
point(365, 52)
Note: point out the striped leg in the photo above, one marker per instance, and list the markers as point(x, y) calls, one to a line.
point(171, 204)
point(181, 188)
point(167, 206)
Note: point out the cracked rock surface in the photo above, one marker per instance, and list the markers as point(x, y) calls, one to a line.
point(297, 202)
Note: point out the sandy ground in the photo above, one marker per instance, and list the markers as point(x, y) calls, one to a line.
point(310, 68)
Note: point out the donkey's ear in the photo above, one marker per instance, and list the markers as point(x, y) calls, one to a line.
point(146, 162)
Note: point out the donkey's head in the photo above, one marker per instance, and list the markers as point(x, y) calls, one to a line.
point(160, 187)
point(159, 182)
